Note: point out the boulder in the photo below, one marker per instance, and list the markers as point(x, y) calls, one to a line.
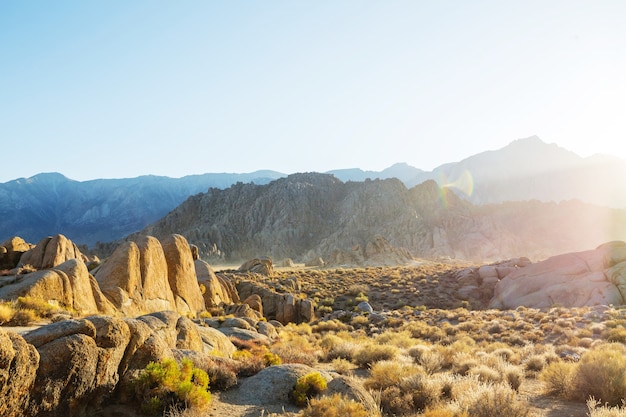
point(181, 275)
point(51, 332)
point(65, 377)
point(11, 250)
point(157, 294)
point(288, 263)
point(255, 303)
point(273, 385)
point(354, 390)
point(50, 252)
point(18, 369)
point(188, 336)
point(68, 285)
point(595, 277)
point(245, 335)
point(216, 342)
point(119, 279)
point(261, 266)
point(216, 290)
point(315, 262)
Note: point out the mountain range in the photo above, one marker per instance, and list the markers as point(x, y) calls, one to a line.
point(111, 209)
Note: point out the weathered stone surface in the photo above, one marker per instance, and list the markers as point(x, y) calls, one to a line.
point(267, 329)
point(216, 342)
point(261, 266)
point(18, 367)
point(354, 390)
point(273, 385)
point(255, 303)
point(181, 275)
point(157, 294)
point(68, 285)
point(243, 334)
point(119, 279)
point(571, 280)
point(276, 306)
point(51, 332)
point(11, 250)
point(217, 291)
point(50, 252)
point(112, 338)
point(65, 377)
point(188, 336)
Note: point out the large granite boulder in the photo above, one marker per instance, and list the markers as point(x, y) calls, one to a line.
point(50, 252)
point(157, 294)
point(18, 369)
point(593, 277)
point(68, 285)
point(217, 290)
point(120, 279)
point(11, 250)
point(181, 275)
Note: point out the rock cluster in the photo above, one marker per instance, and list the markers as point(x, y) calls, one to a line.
point(71, 368)
point(144, 276)
point(594, 277)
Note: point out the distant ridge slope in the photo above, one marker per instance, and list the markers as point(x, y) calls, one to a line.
point(99, 210)
point(530, 169)
point(307, 215)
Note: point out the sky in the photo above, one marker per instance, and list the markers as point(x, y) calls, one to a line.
point(118, 89)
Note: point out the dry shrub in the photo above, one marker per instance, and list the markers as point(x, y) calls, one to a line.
point(6, 313)
point(336, 405)
point(514, 376)
point(345, 350)
point(498, 401)
point(486, 374)
point(386, 373)
point(595, 410)
point(222, 374)
point(395, 402)
point(371, 354)
point(600, 374)
point(329, 326)
point(24, 317)
point(431, 360)
point(558, 377)
point(342, 366)
point(535, 363)
point(400, 339)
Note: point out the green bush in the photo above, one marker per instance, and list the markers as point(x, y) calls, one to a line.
point(167, 384)
point(308, 386)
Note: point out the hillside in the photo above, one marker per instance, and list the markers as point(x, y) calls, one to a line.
point(305, 216)
point(99, 210)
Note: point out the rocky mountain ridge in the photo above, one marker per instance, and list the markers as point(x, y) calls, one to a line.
point(107, 210)
point(306, 216)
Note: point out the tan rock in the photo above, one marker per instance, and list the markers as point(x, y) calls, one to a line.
point(216, 342)
point(50, 252)
point(571, 280)
point(255, 303)
point(181, 275)
point(157, 294)
point(119, 279)
point(261, 266)
point(68, 285)
point(216, 292)
point(18, 369)
point(188, 336)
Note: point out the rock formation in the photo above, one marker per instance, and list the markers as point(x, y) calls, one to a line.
point(181, 274)
point(310, 216)
point(50, 252)
point(73, 367)
point(586, 278)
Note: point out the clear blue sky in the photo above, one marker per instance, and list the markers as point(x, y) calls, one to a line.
point(111, 89)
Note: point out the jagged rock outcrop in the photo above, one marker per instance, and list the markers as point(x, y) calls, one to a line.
point(311, 216)
point(593, 277)
point(283, 307)
point(50, 252)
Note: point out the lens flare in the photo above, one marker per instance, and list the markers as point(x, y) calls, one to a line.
point(464, 183)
